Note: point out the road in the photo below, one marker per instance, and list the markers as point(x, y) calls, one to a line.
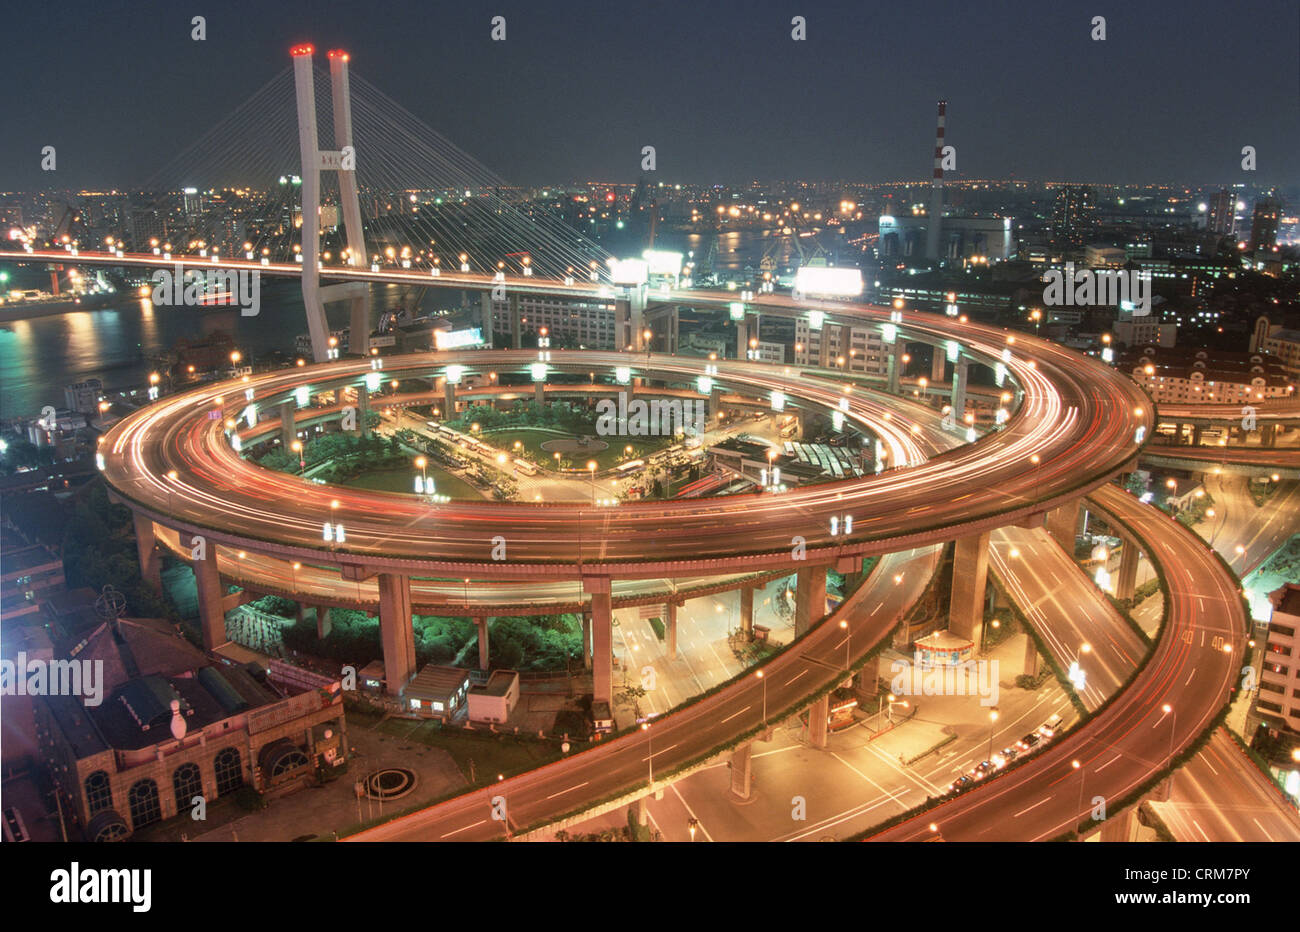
point(172, 462)
point(687, 735)
point(1192, 670)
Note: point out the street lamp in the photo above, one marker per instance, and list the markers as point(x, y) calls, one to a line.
point(296, 447)
point(848, 640)
point(591, 468)
point(650, 754)
point(993, 717)
point(759, 674)
point(648, 334)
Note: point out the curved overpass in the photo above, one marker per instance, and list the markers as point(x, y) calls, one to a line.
point(1193, 670)
point(1075, 427)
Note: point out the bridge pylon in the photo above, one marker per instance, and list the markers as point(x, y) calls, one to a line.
point(343, 161)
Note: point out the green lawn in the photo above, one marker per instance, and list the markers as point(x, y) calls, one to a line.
point(491, 754)
point(403, 480)
point(532, 439)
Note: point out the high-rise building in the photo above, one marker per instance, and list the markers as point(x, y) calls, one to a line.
point(1263, 223)
point(1278, 701)
point(1074, 216)
point(1222, 218)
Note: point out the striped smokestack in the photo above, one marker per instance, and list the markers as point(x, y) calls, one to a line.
point(936, 191)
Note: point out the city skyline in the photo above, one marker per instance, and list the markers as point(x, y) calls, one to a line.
point(352, 492)
point(730, 90)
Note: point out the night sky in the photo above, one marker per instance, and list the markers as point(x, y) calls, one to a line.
point(718, 87)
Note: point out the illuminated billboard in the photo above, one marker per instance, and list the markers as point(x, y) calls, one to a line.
point(455, 339)
point(839, 283)
point(628, 271)
point(659, 262)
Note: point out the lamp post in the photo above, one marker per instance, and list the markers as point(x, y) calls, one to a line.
point(848, 641)
point(759, 674)
point(993, 717)
point(650, 754)
point(591, 469)
point(648, 334)
point(1167, 709)
point(423, 485)
point(296, 447)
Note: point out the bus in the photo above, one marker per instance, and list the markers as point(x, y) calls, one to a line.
point(629, 468)
point(525, 467)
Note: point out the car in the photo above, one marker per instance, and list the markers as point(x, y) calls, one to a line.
point(961, 783)
point(1028, 741)
point(999, 760)
point(1010, 753)
point(1050, 727)
point(983, 770)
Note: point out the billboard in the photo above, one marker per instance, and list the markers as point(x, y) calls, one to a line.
point(454, 339)
point(628, 271)
point(838, 283)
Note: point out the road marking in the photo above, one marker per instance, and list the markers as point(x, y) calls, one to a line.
point(734, 714)
point(465, 829)
point(795, 677)
point(662, 751)
point(1262, 829)
point(1190, 675)
point(1034, 806)
point(690, 811)
point(569, 790)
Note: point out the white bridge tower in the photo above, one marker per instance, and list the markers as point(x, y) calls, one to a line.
point(314, 161)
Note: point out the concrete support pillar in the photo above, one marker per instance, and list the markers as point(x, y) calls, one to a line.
point(741, 771)
point(805, 422)
point(539, 392)
point(715, 404)
point(602, 647)
point(1031, 657)
point(747, 612)
point(481, 623)
point(485, 316)
point(1126, 577)
point(323, 624)
point(1063, 525)
point(957, 397)
point(869, 679)
point(810, 598)
point(146, 548)
point(824, 357)
point(670, 628)
point(819, 714)
point(207, 580)
point(1120, 827)
point(288, 433)
point(586, 640)
point(1268, 435)
point(674, 330)
point(642, 811)
point(1196, 435)
point(363, 409)
point(448, 400)
point(970, 567)
point(895, 363)
point(516, 325)
point(396, 635)
point(938, 366)
point(742, 338)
